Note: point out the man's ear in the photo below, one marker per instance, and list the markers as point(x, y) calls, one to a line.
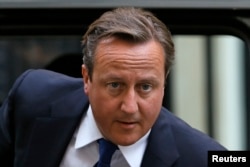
point(86, 79)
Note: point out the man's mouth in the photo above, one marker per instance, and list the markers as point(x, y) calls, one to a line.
point(127, 124)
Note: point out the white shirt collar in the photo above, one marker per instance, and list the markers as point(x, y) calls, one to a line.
point(133, 153)
point(87, 126)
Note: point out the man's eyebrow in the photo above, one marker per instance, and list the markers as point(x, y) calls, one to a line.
point(148, 77)
point(150, 80)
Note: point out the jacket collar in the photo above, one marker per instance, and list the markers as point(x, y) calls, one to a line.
point(161, 150)
point(51, 134)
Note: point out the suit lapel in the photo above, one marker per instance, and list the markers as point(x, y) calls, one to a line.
point(51, 135)
point(161, 150)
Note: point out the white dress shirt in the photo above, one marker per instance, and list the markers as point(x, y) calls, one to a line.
point(83, 149)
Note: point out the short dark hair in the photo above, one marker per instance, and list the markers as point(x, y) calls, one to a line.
point(131, 24)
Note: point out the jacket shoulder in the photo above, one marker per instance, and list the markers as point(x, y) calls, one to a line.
point(191, 144)
point(184, 133)
point(38, 83)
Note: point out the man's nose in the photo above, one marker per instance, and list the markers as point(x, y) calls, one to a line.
point(129, 102)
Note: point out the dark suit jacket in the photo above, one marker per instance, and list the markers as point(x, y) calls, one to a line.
point(43, 109)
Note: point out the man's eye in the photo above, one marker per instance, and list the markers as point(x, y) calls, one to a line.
point(146, 87)
point(114, 85)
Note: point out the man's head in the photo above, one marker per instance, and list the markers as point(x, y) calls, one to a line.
point(127, 55)
point(131, 24)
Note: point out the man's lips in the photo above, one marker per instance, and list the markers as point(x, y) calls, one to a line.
point(127, 124)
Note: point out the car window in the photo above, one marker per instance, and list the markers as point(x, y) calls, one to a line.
point(19, 53)
point(208, 86)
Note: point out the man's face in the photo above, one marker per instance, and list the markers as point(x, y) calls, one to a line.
point(127, 88)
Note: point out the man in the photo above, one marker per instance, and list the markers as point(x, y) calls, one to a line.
point(52, 120)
